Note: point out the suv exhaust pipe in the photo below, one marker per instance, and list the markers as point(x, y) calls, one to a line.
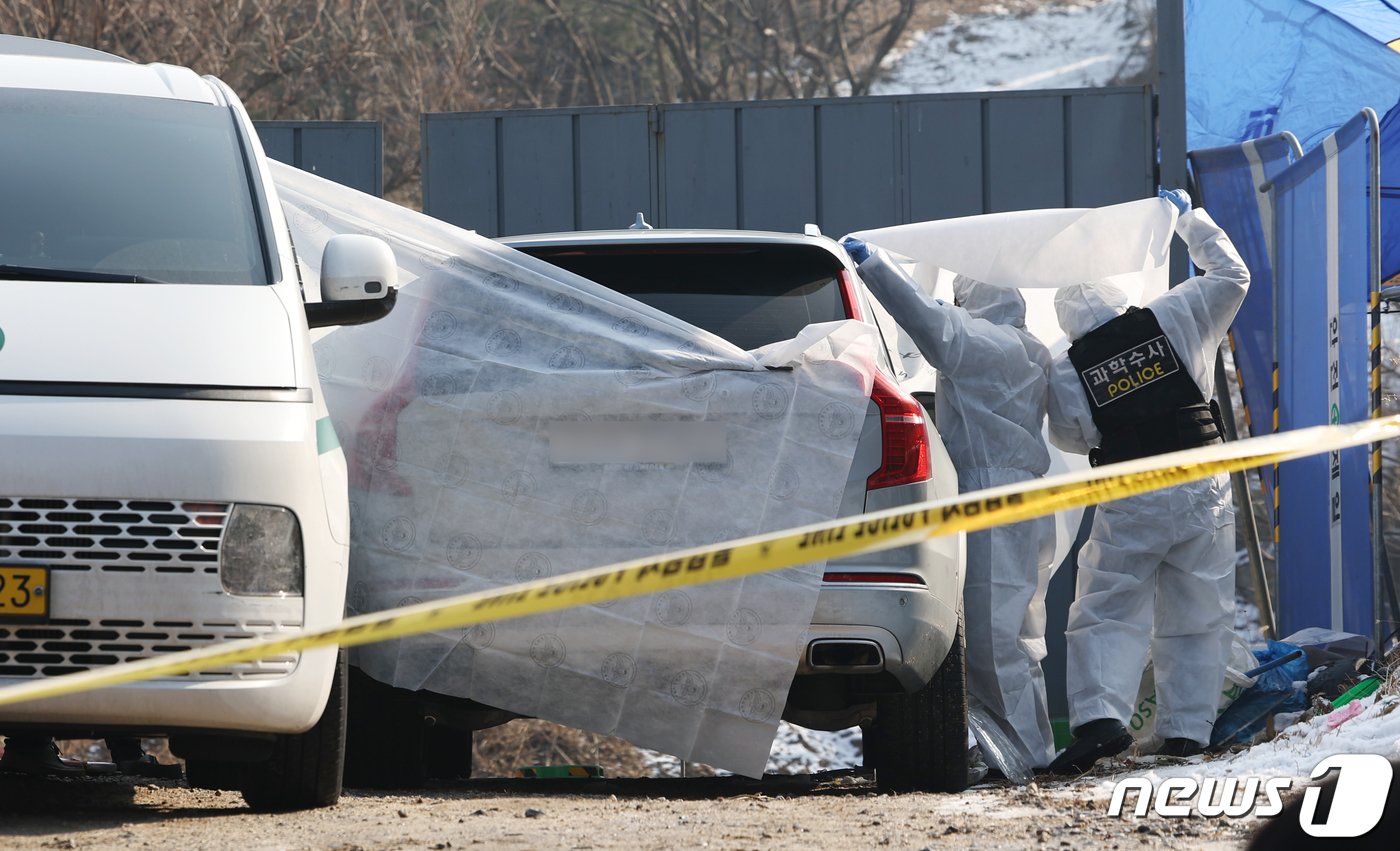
point(845, 655)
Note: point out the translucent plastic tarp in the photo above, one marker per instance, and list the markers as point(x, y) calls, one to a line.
point(1036, 251)
point(467, 417)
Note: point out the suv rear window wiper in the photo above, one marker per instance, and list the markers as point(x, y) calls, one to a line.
point(42, 273)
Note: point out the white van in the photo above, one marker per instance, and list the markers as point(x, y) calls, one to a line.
point(168, 473)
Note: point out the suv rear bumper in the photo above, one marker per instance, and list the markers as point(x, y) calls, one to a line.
point(913, 625)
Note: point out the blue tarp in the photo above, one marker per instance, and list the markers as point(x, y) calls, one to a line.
point(1280, 688)
point(1379, 19)
point(1390, 193)
point(1227, 183)
point(1306, 66)
point(1323, 226)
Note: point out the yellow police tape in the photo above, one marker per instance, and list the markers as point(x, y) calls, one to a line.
point(834, 539)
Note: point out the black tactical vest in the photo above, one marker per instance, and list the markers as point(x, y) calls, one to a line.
point(1142, 398)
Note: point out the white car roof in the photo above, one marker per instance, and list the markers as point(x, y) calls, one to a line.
point(31, 63)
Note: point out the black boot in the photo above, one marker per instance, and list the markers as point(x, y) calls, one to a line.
point(1181, 747)
point(1092, 742)
point(37, 755)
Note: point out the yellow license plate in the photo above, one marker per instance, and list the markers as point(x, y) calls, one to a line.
point(24, 593)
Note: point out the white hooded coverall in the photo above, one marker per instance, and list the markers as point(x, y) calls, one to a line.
point(1158, 568)
point(989, 408)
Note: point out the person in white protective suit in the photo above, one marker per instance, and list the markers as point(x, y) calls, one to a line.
point(1157, 571)
point(989, 405)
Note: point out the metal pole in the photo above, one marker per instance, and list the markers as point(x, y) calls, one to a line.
point(1379, 562)
point(1244, 509)
point(1171, 109)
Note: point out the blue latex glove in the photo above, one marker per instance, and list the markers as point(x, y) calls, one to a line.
point(859, 251)
point(1180, 200)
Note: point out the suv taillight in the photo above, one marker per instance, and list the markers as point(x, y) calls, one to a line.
point(903, 438)
point(848, 294)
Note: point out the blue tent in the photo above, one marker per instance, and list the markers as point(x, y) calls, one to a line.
point(1256, 67)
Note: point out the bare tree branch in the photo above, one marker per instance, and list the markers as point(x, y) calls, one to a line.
point(394, 59)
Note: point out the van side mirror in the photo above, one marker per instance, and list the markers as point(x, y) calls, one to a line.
point(358, 276)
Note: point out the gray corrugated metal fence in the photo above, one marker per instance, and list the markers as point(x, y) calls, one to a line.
point(844, 163)
point(348, 152)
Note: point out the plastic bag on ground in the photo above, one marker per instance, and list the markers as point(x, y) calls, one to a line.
point(998, 748)
point(1280, 689)
point(1328, 645)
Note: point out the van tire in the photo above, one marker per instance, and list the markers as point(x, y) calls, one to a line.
point(918, 741)
point(305, 769)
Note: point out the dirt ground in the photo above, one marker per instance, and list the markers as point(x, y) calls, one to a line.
point(837, 810)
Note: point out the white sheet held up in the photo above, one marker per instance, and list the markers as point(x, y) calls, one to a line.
point(1036, 251)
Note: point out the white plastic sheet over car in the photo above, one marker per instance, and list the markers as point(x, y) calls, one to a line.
point(510, 420)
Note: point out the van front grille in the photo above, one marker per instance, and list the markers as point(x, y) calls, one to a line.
point(113, 535)
point(68, 646)
point(131, 579)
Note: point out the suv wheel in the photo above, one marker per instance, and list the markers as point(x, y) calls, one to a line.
point(385, 745)
point(305, 769)
point(447, 753)
point(919, 741)
point(391, 745)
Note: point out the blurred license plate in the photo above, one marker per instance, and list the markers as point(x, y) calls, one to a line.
point(630, 442)
point(24, 593)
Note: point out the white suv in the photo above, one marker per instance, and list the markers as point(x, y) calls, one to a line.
point(884, 650)
point(168, 474)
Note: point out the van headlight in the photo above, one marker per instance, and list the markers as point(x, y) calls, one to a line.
point(261, 555)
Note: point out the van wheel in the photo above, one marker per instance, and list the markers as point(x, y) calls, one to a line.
point(305, 769)
point(918, 741)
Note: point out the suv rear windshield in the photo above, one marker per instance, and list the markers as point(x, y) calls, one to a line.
point(123, 185)
point(751, 295)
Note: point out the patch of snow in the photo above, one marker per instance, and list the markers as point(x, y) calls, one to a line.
point(1374, 727)
point(661, 764)
point(797, 750)
point(1073, 44)
point(1247, 622)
